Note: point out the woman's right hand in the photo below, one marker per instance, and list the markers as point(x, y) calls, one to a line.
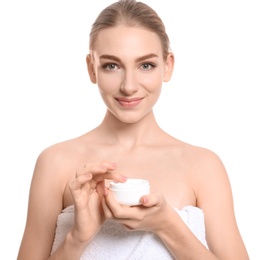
point(87, 190)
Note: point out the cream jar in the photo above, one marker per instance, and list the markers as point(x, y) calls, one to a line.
point(130, 192)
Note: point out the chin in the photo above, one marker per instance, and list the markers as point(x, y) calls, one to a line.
point(129, 117)
point(129, 120)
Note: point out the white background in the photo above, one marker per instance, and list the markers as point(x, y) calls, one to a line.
point(215, 98)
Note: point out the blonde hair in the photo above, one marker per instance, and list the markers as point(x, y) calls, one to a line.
point(130, 13)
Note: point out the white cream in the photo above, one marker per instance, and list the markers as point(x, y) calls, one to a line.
point(130, 192)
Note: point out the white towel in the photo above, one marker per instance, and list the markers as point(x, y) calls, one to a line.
point(114, 241)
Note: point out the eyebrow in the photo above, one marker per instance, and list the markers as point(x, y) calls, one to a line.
point(142, 58)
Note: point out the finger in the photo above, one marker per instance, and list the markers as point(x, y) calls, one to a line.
point(80, 180)
point(106, 171)
point(101, 171)
point(100, 187)
point(107, 212)
point(151, 200)
point(102, 167)
point(118, 210)
point(95, 168)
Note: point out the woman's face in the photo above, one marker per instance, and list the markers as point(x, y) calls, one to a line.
point(129, 69)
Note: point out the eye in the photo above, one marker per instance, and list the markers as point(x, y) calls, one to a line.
point(147, 66)
point(110, 66)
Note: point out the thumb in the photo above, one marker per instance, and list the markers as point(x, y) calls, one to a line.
point(148, 201)
point(152, 199)
point(101, 188)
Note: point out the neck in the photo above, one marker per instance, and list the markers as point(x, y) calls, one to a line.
point(129, 135)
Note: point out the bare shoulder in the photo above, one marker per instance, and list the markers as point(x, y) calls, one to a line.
point(56, 165)
point(198, 158)
point(202, 159)
point(206, 171)
point(64, 155)
point(210, 179)
point(208, 166)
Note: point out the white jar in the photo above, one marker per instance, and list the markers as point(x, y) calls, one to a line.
point(130, 192)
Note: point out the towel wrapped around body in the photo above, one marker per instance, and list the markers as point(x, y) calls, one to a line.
point(114, 241)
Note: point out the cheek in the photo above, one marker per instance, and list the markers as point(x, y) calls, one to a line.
point(107, 83)
point(152, 82)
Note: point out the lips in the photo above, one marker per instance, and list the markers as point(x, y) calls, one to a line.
point(129, 103)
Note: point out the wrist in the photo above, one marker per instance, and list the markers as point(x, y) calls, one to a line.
point(74, 240)
point(166, 222)
point(70, 249)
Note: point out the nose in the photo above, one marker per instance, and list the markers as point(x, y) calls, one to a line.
point(129, 84)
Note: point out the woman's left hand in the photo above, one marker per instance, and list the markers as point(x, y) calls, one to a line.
point(150, 216)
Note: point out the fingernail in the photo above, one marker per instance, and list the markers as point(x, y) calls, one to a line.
point(123, 178)
point(144, 200)
point(114, 164)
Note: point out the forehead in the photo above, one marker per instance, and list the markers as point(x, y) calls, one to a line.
point(127, 41)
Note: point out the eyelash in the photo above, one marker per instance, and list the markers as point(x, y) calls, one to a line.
point(109, 66)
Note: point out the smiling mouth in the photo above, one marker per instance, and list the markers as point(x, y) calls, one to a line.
point(129, 103)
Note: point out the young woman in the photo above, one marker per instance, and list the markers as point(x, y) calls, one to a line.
point(189, 212)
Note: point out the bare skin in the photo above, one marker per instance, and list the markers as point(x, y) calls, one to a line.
point(130, 144)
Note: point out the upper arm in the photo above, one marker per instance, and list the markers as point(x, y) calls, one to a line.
point(45, 203)
point(214, 197)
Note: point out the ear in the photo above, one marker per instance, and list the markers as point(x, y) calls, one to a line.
point(90, 69)
point(169, 67)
